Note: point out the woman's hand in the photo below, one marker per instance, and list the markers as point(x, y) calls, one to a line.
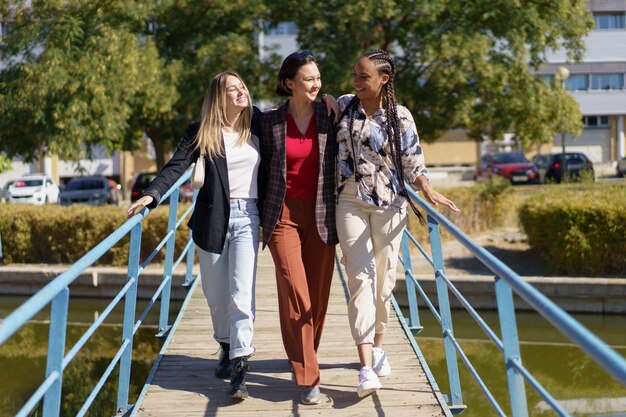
point(138, 205)
point(332, 106)
point(435, 198)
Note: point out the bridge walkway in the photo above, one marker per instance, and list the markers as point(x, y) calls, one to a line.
point(184, 384)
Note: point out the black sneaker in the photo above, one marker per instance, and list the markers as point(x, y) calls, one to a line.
point(223, 369)
point(238, 388)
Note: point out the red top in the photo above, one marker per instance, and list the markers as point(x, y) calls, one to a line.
point(302, 153)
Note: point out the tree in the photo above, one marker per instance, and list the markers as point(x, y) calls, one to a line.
point(74, 74)
point(461, 63)
point(201, 39)
point(102, 72)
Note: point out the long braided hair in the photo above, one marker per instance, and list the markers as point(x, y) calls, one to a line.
point(385, 65)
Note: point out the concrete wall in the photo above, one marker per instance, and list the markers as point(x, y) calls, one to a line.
point(589, 295)
point(452, 148)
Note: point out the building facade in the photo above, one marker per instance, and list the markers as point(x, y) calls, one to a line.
point(597, 84)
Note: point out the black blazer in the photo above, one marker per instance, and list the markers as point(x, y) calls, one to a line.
point(209, 221)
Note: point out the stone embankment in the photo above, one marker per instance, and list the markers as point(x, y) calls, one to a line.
point(574, 294)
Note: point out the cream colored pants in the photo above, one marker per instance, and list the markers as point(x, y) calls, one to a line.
point(369, 237)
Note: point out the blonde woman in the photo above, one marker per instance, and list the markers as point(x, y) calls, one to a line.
point(225, 220)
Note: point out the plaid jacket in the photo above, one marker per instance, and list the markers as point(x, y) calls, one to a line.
point(274, 164)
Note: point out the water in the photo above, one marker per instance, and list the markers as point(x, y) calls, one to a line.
point(562, 368)
point(23, 356)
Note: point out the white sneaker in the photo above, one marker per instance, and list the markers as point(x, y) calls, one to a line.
point(380, 364)
point(368, 382)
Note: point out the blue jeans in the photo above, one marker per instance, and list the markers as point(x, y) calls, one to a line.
point(228, 279)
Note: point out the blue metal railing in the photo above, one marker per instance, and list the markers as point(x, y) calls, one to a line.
point(506, 282)
point(57, 293)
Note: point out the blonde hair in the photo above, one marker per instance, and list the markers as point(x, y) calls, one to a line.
point(209, 136)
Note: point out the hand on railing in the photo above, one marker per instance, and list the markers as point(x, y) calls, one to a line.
point(433, 197)
point(138, 205)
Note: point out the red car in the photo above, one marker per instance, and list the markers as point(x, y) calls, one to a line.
point(511, 165)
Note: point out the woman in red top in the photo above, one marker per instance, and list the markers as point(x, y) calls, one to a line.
point(298, 213)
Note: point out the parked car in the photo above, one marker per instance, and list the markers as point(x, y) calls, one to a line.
point(4, 191)
point(34, 189)
point(550, 166)
point(94, 191)
point(511, 165)
point(145, 178)
point(621, 167)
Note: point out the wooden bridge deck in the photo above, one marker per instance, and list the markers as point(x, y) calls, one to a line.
point(184, 384)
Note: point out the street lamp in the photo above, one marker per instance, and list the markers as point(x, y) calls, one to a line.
point(561, 75)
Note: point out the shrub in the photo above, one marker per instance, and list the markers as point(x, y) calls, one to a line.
point(483, 207)
point(55, 234)
point(579, 229)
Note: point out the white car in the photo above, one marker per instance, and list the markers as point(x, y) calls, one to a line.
point(33, 189)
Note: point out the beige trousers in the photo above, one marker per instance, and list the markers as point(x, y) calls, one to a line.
point(369, 237)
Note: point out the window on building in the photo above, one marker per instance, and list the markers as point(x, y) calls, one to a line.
point(610, 20)
point(283, 28)
point(4, 29)
point(607, 81)
point(577, 82)
point(596, 121)
point(547, 77)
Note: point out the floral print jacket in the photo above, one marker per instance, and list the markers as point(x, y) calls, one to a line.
point(376, 180)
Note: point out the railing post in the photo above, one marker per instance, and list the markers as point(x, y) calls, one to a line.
point(56, 351)
point(190, 258)
point(456, 397)
point(414, 319)
point(508, 327)
point(169, 261)
point(192, 249)
point(130, 303)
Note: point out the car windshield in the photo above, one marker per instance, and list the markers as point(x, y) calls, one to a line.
point(28, 183)
point(85, 184)
point(572, 158)
point(508, 158)
point(144, 180)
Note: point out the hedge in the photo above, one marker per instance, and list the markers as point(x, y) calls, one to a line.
point(56, 234)
point(579, 229)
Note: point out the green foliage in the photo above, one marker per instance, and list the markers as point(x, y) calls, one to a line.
point(80, 71)
point(483, 207)
point(460, 63)
point(493, 188)
point(5, 164)
point(101, 72)
point(579, 229)
point(55, 234)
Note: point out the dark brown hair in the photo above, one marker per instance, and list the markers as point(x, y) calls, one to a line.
point(289, 69)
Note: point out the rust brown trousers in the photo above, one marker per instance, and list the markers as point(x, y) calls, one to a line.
point(304, 270)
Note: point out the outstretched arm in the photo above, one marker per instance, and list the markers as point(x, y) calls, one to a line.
point(433, 197)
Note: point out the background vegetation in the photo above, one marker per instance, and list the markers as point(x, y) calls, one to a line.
point(578, 228)
point(81, 73)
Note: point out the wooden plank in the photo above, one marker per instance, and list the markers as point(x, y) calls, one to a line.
point(184, 384)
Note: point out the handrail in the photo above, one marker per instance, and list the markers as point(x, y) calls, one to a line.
point(56, 294)
point(506, 283)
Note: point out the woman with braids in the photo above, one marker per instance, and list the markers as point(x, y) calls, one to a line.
point(379, 151)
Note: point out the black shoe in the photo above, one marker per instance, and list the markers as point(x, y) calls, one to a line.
point(223, 369)
point(238, 388)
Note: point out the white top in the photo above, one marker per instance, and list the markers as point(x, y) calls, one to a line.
point(243, 166)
